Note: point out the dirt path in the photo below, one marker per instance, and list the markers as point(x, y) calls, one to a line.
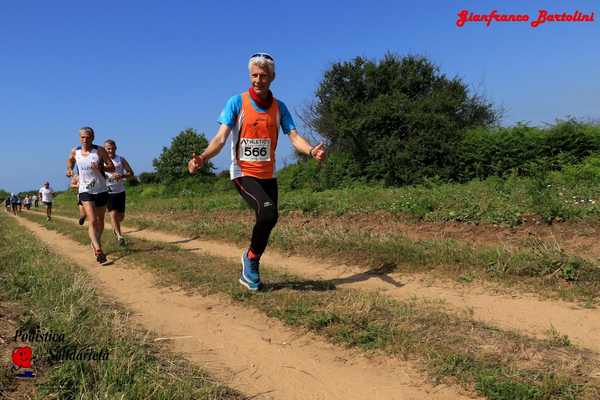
point(524, 313)
point(243, 348)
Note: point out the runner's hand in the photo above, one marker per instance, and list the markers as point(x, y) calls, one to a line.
point(195, 163)
point(319, 152)
point(69, 173)
point(117, 177)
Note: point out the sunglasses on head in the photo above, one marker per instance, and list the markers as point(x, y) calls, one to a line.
point(265, 55)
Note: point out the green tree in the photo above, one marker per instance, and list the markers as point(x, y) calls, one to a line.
point(172, 163)
point(148, 177)
point(399, 119)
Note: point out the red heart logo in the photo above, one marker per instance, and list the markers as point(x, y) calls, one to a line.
point(21, 357)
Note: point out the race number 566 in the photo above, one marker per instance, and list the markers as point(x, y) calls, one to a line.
point(255, 150)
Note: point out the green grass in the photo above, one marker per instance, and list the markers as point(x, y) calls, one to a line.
point(59, 298)
point(570, 194)
point(537, 265)
point(451, 348)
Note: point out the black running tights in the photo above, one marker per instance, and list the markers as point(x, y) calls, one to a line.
point(261, 195)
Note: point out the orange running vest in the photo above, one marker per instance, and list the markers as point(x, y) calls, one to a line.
point(257, 139)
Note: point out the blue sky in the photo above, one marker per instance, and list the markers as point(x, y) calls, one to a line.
point(141, 71)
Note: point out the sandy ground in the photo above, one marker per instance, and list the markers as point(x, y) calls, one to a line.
point(525, 313)
point(241, 347)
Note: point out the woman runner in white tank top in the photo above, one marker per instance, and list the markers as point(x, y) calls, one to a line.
point(91, 177)
point(92, 161)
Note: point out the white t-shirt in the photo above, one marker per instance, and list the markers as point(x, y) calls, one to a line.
point(91, 180)
point(115, 186)
point(46, 194)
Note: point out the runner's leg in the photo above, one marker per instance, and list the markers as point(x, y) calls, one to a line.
point(100, 211)
point(114, 220)
point(90, 211)
point(117, 206)
point(261, 196)
point(82, 215)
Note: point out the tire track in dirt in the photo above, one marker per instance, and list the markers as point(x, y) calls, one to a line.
point(243, 348)
point(525, 313)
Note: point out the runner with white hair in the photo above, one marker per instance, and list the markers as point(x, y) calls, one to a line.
point(254, 119)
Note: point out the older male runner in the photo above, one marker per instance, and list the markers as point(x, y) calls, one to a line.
point(116, 188)
point(255, 117)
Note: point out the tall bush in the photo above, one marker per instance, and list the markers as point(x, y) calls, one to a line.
point(171, 165)
point(399, 119)
point(524, 150)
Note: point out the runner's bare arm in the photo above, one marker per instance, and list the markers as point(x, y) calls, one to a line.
point(217, 142)
point(303, 146)
point(71, 163)
point(214, 147)
point(106, 160)
point(128, 170)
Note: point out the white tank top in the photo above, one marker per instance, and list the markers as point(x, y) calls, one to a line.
point(115, 186)
point(91, 180)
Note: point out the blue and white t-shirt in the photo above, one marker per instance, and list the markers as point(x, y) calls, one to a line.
point(232, 116)
point(233, 107)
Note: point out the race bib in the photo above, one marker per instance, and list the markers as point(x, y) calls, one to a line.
point(89, 185)
point(112, 179)
point(255, 150)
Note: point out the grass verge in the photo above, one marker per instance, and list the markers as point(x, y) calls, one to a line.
point(57, 298)
point(538, 266)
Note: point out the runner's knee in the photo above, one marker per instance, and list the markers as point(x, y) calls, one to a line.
point(268, 217)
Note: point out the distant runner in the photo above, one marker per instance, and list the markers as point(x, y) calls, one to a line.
point(46, 193)
point(255, 117)
point(27, 202)
point(116, 189)
point(7, 204)
point(35, 201)
point(92, 161)
point(14, 203)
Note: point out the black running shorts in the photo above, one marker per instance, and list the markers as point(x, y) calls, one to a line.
point(116, 202)
point(99, 199)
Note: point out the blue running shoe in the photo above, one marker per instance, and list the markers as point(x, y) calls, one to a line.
point(250, 277)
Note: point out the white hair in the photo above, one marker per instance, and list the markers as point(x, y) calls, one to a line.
point(262, 62)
